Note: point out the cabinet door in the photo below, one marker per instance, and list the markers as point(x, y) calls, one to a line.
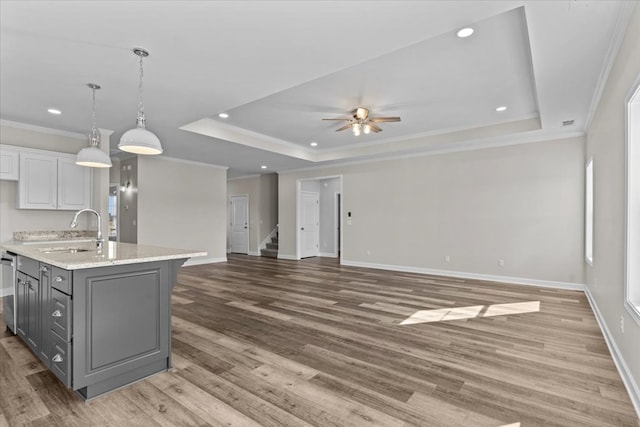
point(46, 310)
point(9, 162)
point(21, 305)
point(38, 184)
point(74, 185)
point(33, 313)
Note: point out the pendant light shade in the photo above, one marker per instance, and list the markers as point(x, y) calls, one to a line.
point(140, 140)
point(92, 156)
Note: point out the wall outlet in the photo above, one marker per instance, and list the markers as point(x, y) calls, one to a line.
point(447, 258)
point(501, 262)
point(622, 324)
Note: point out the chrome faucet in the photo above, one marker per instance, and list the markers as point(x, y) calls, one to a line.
point(74, 223)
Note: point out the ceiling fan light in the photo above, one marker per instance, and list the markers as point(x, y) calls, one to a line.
point(361, 113)
point(140, 141)
point(356, 127)
point(366, 129)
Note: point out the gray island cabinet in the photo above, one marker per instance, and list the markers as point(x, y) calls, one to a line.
point(98, 319)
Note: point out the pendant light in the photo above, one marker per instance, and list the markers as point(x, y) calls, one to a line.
point(92, 156)
point(139, 140)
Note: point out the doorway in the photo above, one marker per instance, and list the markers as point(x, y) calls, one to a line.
point(327, 235)
point(239, 224)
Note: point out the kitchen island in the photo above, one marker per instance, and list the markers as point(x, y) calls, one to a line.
point(99, 319)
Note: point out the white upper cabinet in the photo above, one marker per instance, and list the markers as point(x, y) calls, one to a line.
point(9, 163)
point(49, 181)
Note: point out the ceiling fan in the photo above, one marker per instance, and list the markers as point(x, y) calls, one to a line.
point(361, 122)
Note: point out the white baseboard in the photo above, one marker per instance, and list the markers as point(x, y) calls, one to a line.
point(6, 292)
point(291, 257)
point(204, 261)
point(464, 275)
point(623, 369)
point(253, 253)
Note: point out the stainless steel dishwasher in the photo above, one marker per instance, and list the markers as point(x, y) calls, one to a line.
point(8, 263)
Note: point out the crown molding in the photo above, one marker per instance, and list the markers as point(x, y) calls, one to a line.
point(624, 16)
point(41, 129)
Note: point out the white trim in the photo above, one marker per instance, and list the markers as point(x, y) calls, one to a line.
point(616, 355)
point(464, 275)
point(41, 129)
point(253, 253)
point(6, 292)
point(588, 211)
point(235, 178)
point(290, 257)
point(620, 29)
point(469, 145)
point(337, 195)
point(199, 261)
point(634, 310)
point(188, 162)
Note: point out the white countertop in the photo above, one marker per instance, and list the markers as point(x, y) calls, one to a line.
point(112, 253)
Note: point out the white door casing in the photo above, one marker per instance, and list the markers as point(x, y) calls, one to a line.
point(239, 215)
point(309, 223)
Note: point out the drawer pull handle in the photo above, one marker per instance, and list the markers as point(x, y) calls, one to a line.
point(58, 279)
point(56, 313)
point(57, 358)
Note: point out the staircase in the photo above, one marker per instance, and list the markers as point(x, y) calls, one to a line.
point(272, 248)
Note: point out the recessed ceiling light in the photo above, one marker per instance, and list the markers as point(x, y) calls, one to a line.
point(314, 144)
point(223, 115)
point(465, 32)
point(501, 108)
point(54, 111)
point(263, 166)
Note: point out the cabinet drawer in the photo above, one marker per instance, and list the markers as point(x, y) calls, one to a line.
point(61, 359)
point(61, 314)
point(61, 280)
point(29, 266)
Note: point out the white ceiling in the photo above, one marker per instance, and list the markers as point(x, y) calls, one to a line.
point(279, 67)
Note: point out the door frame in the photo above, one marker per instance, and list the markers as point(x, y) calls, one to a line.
point(299, 209)
point(230, 213)
point(299, 231)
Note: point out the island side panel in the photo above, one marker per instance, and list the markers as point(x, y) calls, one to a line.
point(122, 325)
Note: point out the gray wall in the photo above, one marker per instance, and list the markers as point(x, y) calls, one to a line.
point(606, 144)
point(182, 205)
point(522, 204)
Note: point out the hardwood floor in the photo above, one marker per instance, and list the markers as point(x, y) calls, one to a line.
point(258, 341)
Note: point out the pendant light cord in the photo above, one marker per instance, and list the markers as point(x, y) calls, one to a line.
point(141, 118)
point(94, 138)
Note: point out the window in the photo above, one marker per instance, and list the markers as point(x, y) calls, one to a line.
point(632, 255)
point(588, 216)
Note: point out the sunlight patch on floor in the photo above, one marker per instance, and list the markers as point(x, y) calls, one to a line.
point(469, 312)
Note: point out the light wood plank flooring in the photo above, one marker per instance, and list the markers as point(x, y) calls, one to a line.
point(258, 341)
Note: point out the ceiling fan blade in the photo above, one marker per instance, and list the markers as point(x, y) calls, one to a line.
point(346, 118)
point(345, 127)
point(384, 119)
point(374, 127)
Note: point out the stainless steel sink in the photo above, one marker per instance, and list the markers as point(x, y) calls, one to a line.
point(64, 250)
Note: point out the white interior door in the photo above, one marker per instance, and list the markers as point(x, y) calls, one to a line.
point(309, 223)
point(239, 224)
